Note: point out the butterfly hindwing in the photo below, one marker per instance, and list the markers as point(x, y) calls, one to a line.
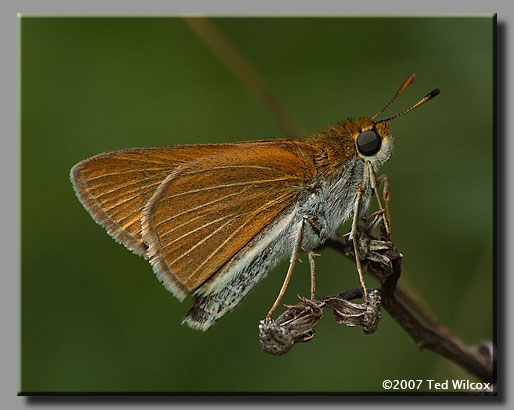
point(209, 209)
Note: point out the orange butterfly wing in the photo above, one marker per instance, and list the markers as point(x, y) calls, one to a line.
point(114, 187)
point(208, 210)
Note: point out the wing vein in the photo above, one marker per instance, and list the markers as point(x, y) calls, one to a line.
point(199, 243)
point(193, 191)
point(208, 169)
point(130, 171)
point(194, 230)
point(196, 208)
point(125, 186)
point(146, 161)
point(121, 203)
point(267, 205)
point(135, 219)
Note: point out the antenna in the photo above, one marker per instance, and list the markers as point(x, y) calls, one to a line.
point(426, 98)
point(398, 93)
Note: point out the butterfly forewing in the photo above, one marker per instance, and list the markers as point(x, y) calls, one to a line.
point(209, 209)
point(115, 186)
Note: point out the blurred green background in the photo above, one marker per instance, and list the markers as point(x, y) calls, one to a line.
point(94, 317)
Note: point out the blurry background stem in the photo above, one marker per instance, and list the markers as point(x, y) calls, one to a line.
point(246, 73)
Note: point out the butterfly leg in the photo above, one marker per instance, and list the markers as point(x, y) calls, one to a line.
point(386, 194)
point(375, 183)
point(318, 230)
point(294, 257)
point(313, 273)
point(353, 233)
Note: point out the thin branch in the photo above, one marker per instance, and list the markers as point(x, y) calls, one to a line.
point(248, 75)
point(426, 315)
point(472, 358)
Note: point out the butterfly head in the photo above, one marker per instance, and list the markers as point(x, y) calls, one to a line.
point(373, 140)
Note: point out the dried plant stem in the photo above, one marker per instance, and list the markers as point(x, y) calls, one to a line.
point(439, 339)
point(426, 315)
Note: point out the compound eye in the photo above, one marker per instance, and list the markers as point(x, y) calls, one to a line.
point(368, 143)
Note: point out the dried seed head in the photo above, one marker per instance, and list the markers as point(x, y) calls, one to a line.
point(295, 325)
point(352, 314)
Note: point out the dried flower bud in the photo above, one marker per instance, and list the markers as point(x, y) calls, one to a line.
point(366, 315)
point(295, 325)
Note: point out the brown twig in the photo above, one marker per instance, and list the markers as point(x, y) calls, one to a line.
point(428, 317)
point(248, 75)
point(471, 358)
